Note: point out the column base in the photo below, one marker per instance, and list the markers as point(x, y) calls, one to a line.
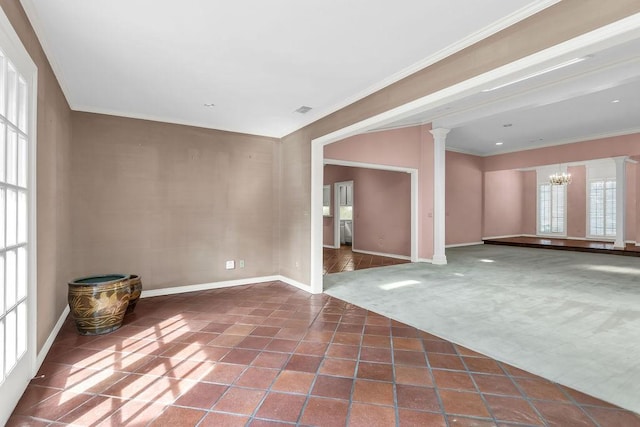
point(439, 260)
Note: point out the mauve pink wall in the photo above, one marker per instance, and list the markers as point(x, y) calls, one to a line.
point(637, 236)
point(410, 147)
point(529, 202)
point(577, 202)
point(382, 209)
point(396, 147)
point(382, 212)
point(625, 145)
point(502, 203)
point(632, 191)
point(463, 198)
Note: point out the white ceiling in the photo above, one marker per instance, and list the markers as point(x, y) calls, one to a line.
point(256, 60)
point(566, 105)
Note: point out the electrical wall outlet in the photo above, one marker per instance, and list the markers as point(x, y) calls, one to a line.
point(241, 263)
point(230, 265)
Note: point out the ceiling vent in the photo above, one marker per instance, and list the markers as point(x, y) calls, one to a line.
point(303, 110)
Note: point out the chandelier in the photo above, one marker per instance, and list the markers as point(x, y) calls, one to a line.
point(560, 178)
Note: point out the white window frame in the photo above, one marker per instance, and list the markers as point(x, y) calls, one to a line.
point(542, 179)
point(563, 233)
point(589, 234)
point(13, 49)
point(598, 170)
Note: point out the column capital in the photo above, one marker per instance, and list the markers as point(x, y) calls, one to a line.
point(440, 133)
point(620, 159)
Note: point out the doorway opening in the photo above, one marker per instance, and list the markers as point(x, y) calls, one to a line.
point(606, 36)
point(343, 214)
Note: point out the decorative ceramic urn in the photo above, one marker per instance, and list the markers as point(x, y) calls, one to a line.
point(98, 303)
point(135, 283)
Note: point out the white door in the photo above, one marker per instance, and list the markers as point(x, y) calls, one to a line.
point(17, 219)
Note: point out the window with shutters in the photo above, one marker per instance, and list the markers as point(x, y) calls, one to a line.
point(551, 209)
point(602, 207)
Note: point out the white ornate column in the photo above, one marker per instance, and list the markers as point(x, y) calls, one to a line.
point(439, 138)
point(621, 203)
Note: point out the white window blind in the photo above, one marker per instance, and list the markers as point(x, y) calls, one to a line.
point(602, 207)
point(551, 209)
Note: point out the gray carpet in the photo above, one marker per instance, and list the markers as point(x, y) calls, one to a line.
point(570, 317)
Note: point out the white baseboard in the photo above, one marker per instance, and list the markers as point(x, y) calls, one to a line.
point(328, 246)
point(594, 239)
point(427, 260)
point(295, 283)
point(459, 245)
point(408, 258)
point(225, 284)
point(52, 337)
point(504, 237)
point(207, 286)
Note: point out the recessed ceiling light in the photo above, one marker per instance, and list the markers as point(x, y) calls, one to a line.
point(209, 105)
point(499, 143)
point(303, 110)
point(615, 101)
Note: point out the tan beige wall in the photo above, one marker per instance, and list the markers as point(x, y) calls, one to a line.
point(172, 202)
point(564, 20)
point(53, 177)
point(295, 220)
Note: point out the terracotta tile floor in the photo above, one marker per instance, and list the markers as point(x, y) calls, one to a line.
point(344, 259)
point(269, 354)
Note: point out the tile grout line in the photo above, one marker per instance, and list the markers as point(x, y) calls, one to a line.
point(436, 388)
point(523, 393)
point(313, 383)
point(484, 400)
point(575, 403)
point(355, 372)
point(393, 372)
